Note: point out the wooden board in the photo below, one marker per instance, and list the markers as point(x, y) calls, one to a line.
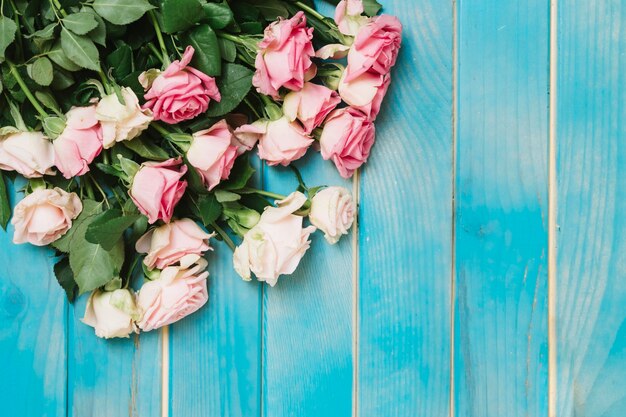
point(501, 231)
point(405, 234)
point(590, 291)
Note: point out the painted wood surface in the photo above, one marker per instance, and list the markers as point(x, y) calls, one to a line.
point(591, 235)
point(438, 304)
point(500, 343)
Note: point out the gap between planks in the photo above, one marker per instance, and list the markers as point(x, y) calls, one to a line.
point(355, 297)
point(165, 371)
point(552, 204)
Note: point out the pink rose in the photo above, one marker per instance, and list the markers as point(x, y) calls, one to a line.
point(280, 141)
point(213, 153)
point(347, 139)
point(167, 244)
point(157, 188)
point(310, 105)
point(284, 57)
point(375, 47)
point(79, 143)
point(181, 92)
point(276, 244)
point(366, 92)
point(29, 153)
point(44, 216)
point(178, 292)
point(348, 16)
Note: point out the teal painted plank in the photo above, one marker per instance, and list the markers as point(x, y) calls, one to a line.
point(500, 345)
point(215, 353)
point(32, 331)
point(405, 235)
point(590, 292)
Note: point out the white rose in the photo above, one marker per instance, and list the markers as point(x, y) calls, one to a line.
point(111, 313)
point(29, 153)
point(276, 244)
point(332, 211)
point(121, 121)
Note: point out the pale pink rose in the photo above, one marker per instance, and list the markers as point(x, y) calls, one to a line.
point(111, 313)
point(79, 143)
point(181, 92)
point(213, 153)
point(284, 56)
point(276, 244)
point(44, 216)
point(121, 121)
point(157, 188)
point(310, 105)
point(280, 141)
point(332, 212)
point(347, 139)
point(366, 92)
point(375, 47)
point(176, 293)
point(29, 153)
point(167, 244)
point(348, 16)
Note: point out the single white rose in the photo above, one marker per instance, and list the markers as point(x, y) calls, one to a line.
point(276, 244)
point(332, 211)
point(121, 121)
point(111, 313)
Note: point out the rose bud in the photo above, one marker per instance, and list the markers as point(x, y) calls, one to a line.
point(111, 313)
point(176, 293)
point(347, 139)
point(121, 121)
point(79, 143)
point(366, 92)
point(44, 216)
point(332, 212)
point(167, 244)
point(310, 105)
point(280, 141)
point(348, 16)
point(29, 153)
point(284, 56)
point(375, 47)
point(181, 92)
point(213, 152)
point(276, 244)
point(157, 188)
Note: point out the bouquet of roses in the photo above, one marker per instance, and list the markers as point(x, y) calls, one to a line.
point(133, 122)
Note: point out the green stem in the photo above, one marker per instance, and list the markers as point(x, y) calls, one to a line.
point(165, 57)
point(224, 236)
point(105, 81)
point(26, 90)
point(252, 108)
point(312, 12)
point(100, 190)
point(232, 38)
point(269, 194)
point(156, 52)
point(163, 131)
point(89, 189)
point(58, 6)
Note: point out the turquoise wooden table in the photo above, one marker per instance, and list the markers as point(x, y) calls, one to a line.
point(487, 276)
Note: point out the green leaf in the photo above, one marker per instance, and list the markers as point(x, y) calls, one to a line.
point(209, 209)
point(234, 85)
point(207, 50)
point(240, 174)
point(107, 228)
point(57, 55)
point(7, 34)
point(99, 33)
point(65, 277)
point(271, 9)
point(146, 149)
point(80, 23)
point(371, 7)
point(121, 12)
point(228, 49)
point(121, 61)
point(45, 33)
point(80, 49)
point(218, 15)
point(41, 71)
point(180, 15)
point(224, 196)
point(5, 206)
point(90, 208)
point(62, 80)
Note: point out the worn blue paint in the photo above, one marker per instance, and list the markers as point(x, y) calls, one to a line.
point(288, 350)
point(591, 230)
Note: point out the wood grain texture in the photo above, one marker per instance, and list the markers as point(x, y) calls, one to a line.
point(591, 233)
point(405, 234)
point(32, 330)
point(502, 209)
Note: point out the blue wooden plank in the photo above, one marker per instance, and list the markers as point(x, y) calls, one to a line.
point(32, 331)
point(405, 234)
point(590, 292)
point(502, 209)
